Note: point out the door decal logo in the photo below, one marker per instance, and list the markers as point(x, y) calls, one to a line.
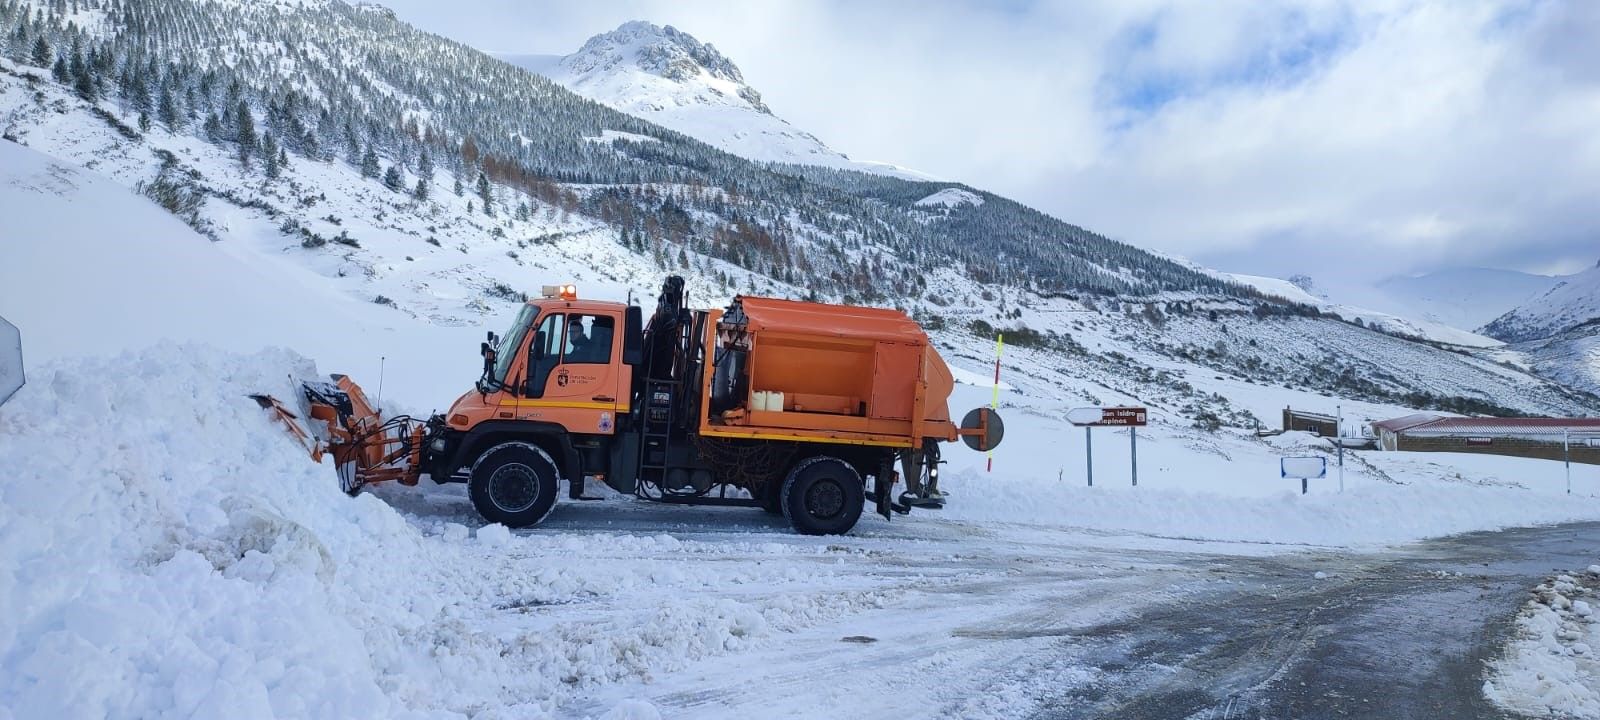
point(605, 422)
point(561, 378)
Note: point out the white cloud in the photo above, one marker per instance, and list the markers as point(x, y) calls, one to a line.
point(1321, 136)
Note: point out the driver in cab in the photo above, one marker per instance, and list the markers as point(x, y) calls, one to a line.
point(587, 346)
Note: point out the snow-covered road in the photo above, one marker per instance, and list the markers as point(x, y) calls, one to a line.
point(933, 618)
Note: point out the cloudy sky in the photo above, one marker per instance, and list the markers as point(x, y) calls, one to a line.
point(1350, 141)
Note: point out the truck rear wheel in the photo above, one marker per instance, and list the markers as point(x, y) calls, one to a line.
point(823, 496)
point(514, 484)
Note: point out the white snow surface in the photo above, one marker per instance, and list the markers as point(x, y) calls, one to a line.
point(950, 198)
point(1551, 669)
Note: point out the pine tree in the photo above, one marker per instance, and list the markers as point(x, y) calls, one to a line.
point(245, 133)
point(144, 122)
point(269, 153)
point(167, 110)
point(369, 163)
point(60, 73)
point(458, 189)
point(42, 52)
point(213, 128)
point(485, 193)
point(393, 180)
point(425, 166)
point(421, 191)
point(82, 80)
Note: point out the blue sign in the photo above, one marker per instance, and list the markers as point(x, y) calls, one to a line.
point(1313, 467)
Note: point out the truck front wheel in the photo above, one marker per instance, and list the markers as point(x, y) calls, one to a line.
point(514, 484)
point(823, 496)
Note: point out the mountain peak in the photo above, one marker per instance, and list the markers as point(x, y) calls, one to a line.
point(667, 76)
point(668, 53)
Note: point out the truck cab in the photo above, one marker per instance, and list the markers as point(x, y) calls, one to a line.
point(560, 370)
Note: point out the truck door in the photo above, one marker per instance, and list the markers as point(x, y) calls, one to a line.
point(581, 372)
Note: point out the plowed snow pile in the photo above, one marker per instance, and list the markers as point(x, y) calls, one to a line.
point(1550, 668)
point(166, 551)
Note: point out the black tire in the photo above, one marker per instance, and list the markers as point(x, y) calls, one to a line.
point(514, 484)
point(823, 496)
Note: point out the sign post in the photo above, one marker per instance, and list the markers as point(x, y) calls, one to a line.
point(11, 374)
point(1338, 437)
point(1090, 418)
point(1088, 452)
point(1566, 455)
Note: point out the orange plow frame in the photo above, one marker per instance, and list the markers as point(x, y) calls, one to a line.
point(365, 447)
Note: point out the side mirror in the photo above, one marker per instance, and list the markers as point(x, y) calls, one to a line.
point(633, 336)
point(492, 339)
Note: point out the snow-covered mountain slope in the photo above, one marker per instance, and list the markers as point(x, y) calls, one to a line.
point(668, 77)
point(1571, 356)
point(338, 221)
point(1409, 327)
point(1573, 301)
point(1465, 298)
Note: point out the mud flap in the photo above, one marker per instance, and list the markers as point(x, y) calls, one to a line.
point(349, 480)
point(883, 490)
point(883, 484)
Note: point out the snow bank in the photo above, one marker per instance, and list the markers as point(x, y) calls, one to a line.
point(164, 552)
point(1551, 669)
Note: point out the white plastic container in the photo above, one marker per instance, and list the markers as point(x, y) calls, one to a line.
point(758, 400)
point(775, 401)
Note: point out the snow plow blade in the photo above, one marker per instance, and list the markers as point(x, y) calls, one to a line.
point(365, 447)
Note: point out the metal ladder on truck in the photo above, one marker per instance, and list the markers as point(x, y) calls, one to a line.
point(664, 405)
point(660, 398)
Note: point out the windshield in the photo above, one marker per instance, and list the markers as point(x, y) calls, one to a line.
point(513, 341)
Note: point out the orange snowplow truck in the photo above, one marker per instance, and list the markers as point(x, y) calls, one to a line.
point(803, 409)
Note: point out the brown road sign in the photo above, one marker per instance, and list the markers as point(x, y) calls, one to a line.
point(1122, 417)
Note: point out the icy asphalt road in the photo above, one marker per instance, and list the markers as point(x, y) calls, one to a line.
point(1021, 621)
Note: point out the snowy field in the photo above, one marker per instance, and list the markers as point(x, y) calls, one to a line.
point(165, 551)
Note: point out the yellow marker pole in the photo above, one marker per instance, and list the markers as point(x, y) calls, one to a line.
point(994, 400)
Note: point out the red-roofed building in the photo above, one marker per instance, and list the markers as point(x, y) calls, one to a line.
point(1388, 431)
point(1548, 438)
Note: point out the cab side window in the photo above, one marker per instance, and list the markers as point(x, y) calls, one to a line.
point(589, 338)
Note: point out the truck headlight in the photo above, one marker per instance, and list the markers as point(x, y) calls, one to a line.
point(437, 445)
